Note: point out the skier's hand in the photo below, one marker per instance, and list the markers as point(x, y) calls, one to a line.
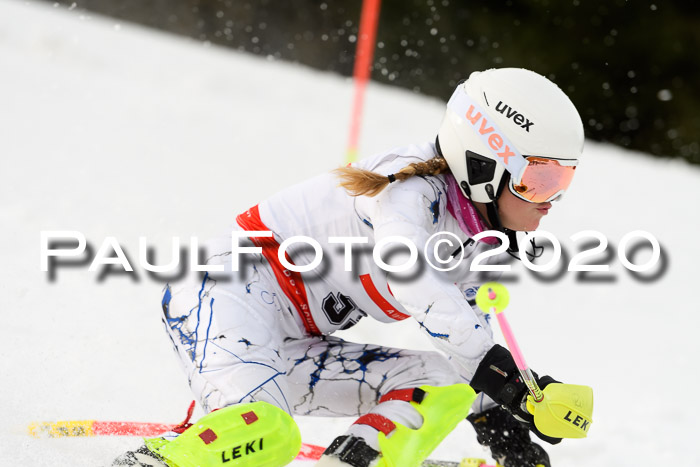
point(522, 414)
point(498, 376)
point(508, 439)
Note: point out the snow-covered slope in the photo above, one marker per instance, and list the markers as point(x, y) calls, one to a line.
point(114, 130)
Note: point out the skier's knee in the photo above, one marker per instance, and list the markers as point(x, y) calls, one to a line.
point(439, 371)
point(423, 368)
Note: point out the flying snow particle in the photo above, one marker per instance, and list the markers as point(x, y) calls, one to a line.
point(664, 95)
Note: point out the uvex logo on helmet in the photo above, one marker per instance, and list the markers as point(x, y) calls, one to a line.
point(517, 117)
point(495, 140)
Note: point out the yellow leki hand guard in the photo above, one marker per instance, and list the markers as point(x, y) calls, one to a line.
point(565, 412)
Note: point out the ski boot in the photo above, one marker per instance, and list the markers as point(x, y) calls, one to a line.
point(442, 408)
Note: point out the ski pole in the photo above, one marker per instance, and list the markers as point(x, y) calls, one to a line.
point(561, 410)
point(493, 297)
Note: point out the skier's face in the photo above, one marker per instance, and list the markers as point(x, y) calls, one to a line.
point(517, 214)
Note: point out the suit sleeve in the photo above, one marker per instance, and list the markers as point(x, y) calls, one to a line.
point(408, 210)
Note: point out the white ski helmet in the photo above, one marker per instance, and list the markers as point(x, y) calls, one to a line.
point(499, 121)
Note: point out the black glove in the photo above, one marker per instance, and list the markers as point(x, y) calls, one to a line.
point(498, 376)
point(508, 439)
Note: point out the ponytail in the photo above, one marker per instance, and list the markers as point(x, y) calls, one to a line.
point(359, 182)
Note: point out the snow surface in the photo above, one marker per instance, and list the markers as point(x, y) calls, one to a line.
point(114, 130)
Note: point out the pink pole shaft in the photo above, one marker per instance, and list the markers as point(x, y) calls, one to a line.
point(512, 343)
point(518, 356)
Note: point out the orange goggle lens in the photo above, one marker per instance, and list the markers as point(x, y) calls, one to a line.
point(544, 179)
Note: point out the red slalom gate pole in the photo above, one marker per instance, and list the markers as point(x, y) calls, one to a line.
point(87, 428)
point(369, 19)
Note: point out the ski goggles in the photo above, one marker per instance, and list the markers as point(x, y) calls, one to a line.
point(543, 179)
point(534, 179)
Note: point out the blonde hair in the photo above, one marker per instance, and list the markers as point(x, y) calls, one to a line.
point(358, 182)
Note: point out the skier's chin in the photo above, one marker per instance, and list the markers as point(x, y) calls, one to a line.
point(523, 226)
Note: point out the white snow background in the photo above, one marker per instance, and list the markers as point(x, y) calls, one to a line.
point(115, 130)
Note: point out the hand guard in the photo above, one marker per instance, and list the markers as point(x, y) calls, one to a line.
point(498, 376)
point(508, 439)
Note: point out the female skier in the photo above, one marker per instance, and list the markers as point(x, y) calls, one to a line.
point(254, 333)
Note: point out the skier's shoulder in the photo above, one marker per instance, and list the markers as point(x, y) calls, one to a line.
point(418, 198)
